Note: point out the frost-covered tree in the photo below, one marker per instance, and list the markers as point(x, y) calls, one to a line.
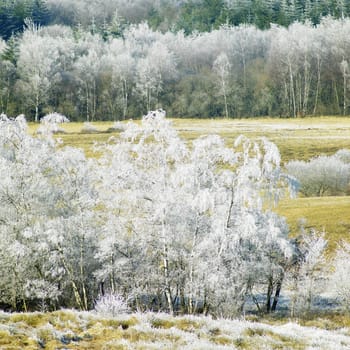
point(119, 65)
point(47, 221)
point(25, 199)
point(153, 70)
point(7, 74)
point(36, 66)
point(144, 194)
point(87, 68)
point(252, 248)
point(222, 68)
point(339, 281)
point(199, 233)
point(307, 274)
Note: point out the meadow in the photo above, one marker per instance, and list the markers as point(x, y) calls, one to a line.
point(296, 138)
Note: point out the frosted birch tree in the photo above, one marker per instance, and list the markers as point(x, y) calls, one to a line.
point(221, 68)
point(147, 191)
point(119, 65)
point(36, 64)
point(307, 275)
point(252, 247)
point(87, 68)
point(153, 70)
point(339, 281)
point(47, 221)
point(24, 194)
point(201, 231)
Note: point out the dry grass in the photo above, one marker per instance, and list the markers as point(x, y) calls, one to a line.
point(299, 138)
point(328, 214)
point(73, 330)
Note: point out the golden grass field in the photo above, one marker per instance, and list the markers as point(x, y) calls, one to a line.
point(300, 138)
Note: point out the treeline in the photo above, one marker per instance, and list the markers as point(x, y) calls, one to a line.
point(165, 15)
point(233, 71)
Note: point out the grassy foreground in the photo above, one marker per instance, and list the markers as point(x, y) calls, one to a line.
point(78, 330)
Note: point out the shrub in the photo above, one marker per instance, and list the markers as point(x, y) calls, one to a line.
point(3, 117)
point(340, 280)
point(111, 305)
point(117, 127)
point(88, 128)
point(323, 175)
point(54, 118)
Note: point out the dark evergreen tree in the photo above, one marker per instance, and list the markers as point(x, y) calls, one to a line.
point(11, 52)
point(202, 16)
point(14, 13)
point(39, 12)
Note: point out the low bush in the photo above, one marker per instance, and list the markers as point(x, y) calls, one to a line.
point(323, 175)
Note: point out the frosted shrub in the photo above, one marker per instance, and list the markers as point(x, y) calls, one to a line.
point(88, 128)
point(340, 280)
point(49, 123)
point(308, 273)
point(111, 305)
point(54, 118)
point(343, 155)
point(21, 118)
point(49, 128)
point(159, 113)
point(3, 117)
point(323, 175)
point(117, 126)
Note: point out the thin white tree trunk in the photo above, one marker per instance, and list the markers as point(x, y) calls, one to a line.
point(318, 83)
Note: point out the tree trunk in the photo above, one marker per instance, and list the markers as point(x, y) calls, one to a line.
point(306, 86)
point(269, 294)
point(292, 90)
point(112, 275)
point(87, 102)
point(37, 107)
point(277, 295)
point(336, 95)
point(191, 301)
point(344, 92)
point(94, 101)
point(318, 83)
point(167, 289)
point(82, 275)
point(225, 100)
point(76, 293)
point(125, 97)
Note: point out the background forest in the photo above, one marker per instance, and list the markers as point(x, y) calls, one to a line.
point(116, 59)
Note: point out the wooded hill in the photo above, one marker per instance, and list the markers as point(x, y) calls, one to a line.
point(119, 59)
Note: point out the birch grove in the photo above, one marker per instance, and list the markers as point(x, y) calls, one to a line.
point(169, 226)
